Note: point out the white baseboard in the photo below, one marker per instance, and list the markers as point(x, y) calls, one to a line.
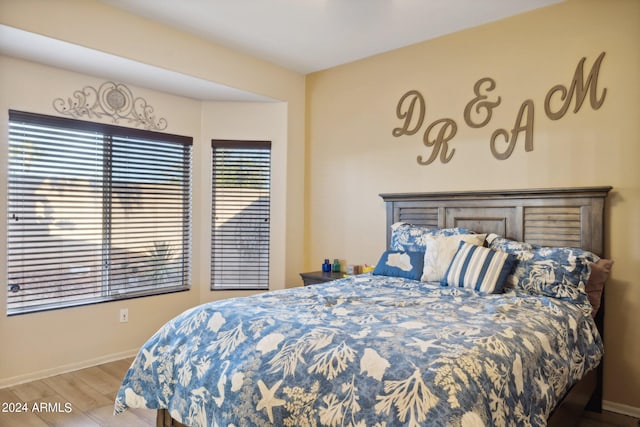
point(619, 408)
point(46, 373)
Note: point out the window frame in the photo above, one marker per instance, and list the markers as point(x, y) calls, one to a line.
point(254, 275)
point(121, 137)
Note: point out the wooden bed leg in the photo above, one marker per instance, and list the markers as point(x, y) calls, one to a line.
point(163, 419)
point(595, 403)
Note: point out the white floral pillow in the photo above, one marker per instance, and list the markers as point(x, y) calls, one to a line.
point(557, 272)
point(440, 251)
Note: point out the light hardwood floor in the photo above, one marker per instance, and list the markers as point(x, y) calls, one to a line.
point(85, 398)
point(89, 393)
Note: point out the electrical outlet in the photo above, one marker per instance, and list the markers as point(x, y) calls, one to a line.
point(124, 315)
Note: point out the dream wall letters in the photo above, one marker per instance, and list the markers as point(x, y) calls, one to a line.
point(438, 135)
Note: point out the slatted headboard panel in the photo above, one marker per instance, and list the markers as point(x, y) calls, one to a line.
point(550, 217)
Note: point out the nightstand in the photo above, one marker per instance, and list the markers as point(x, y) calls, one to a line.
point(320, 277)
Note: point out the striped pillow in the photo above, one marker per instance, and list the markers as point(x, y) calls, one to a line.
point(478, 268)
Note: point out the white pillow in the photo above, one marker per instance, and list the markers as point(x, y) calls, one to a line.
point(440, 252)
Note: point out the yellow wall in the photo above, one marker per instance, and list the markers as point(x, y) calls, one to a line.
point(352, 155)
point(42, 344)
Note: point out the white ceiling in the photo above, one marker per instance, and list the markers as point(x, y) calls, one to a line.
point(301, 35)
point(311, 35)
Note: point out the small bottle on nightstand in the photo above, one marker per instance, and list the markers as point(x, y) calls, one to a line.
point(326, 267)
point(336, 266)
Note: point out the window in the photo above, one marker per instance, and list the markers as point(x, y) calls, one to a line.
point(95, 213)
point(240, 214)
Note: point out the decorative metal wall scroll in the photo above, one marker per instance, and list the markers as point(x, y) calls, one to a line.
point(411, 109)
point(114, 100)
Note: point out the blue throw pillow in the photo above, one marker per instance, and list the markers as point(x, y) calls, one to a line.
point(479, 268)
point(400, 264)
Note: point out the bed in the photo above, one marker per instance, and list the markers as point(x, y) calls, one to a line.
point(389, 349)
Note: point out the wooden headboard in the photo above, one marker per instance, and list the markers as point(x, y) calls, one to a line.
point(571, 217)
point(551, 217)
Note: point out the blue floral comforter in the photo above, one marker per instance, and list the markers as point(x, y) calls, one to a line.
point(365, 351)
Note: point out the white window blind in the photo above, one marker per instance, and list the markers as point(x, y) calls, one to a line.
point(240, 214)
point(95, 213)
